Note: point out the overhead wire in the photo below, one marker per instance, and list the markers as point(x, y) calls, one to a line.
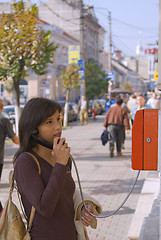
point(133, 26)
point(129, 37)
point(143, 29)
point(98, 10)
point(58, 15)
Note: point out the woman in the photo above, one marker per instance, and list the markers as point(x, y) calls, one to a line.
point(51, 193)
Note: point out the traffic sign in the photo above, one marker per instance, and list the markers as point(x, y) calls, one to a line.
point(81, 64)
point(111, 76)
point(81, 70)
point(151, 86)
point(1, 90)
point(156, 76)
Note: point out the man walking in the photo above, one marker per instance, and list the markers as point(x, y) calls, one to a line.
point(5, 130)
point(117, 118)
point(83, 111)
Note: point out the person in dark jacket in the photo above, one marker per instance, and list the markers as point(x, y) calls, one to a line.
point(51, 193)
point(6, 130)
point(116, 119)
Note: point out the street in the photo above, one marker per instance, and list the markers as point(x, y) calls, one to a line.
point(109, 180)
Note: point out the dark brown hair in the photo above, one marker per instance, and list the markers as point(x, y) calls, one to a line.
point(119, 101)
point(35, 112)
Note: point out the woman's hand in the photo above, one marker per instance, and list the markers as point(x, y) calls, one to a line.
point(86, 217)
point(61, 150)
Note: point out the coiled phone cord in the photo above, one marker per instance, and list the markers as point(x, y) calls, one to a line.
point(81, 193)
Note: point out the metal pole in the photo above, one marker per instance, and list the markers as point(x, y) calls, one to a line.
point(82, 87)
point(110, 42)
point(110, 54)
point(159, 128)
point(159, 48)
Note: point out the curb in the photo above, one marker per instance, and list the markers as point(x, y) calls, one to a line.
point(148, 196)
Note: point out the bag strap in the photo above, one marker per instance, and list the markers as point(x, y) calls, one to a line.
point(39, 169)
point(11, 182)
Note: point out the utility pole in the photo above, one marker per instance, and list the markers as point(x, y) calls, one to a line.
point(159, 49)
point(110, 42)
point(82, 87)
point(110, 54)
point(159, 121)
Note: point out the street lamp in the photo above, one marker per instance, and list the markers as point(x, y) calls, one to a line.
point(82, 86)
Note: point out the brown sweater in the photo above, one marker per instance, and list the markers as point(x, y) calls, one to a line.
point(117, 116)
point(51, 194)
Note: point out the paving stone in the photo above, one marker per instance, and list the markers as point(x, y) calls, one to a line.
point(109, 180)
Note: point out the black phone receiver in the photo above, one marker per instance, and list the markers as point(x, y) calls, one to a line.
point(43, 142)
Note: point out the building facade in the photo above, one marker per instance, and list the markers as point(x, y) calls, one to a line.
point(79, 22)
point(63, 19)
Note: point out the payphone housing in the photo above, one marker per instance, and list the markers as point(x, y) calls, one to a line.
point(145, 140)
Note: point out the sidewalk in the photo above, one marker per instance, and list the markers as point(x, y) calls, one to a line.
point(109, 180)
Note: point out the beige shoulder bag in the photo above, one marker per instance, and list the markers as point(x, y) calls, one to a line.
point(12, 226)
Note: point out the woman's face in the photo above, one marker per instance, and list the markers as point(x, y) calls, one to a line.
point(51, 128)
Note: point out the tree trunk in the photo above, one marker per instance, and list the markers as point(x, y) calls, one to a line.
point(66, 108)
point(17, 105)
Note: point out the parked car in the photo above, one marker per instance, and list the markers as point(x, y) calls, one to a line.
point(75, 108)
point(97, 107)
point(102, 102)
point(5, 115)
point(10, 111)
point(72, 110)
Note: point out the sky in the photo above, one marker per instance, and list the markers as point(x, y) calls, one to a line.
point(131, 21)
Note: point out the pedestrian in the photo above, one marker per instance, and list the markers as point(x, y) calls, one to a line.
point(77, 99)
point(116, 118)
point(51, 193)
point(83, 106)
point(94, 112)
point(124, 105)
point(6, 130)
point(109, 103)
point(131, 102)
point(140, 105)
point(154, 101)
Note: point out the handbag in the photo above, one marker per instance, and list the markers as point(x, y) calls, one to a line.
point(105, 137)
point(12, 226)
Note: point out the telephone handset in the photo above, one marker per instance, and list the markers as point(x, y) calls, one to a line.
point(43, 142)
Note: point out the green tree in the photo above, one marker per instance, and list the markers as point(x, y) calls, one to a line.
point(71, 79)
point(95, 77)
point(23, 46)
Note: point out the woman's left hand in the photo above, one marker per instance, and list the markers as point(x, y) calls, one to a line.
point(86, 217)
